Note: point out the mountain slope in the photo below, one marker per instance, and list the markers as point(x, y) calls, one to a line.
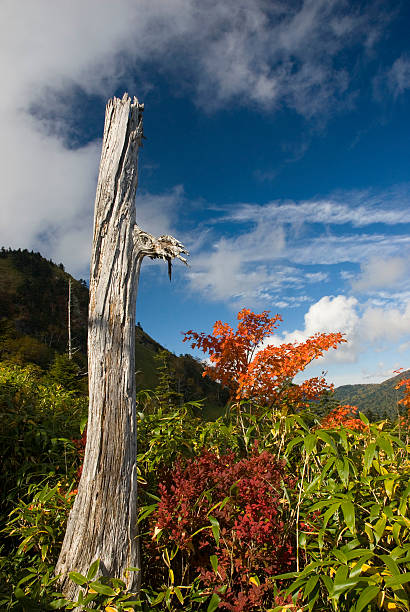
point(33, 326)
point(377, 401)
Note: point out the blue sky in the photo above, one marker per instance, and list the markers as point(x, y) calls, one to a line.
point(277, 151)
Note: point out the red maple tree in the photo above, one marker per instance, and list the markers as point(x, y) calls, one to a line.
point(264, 374)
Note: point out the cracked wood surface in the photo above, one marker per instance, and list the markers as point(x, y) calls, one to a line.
point(103, 522)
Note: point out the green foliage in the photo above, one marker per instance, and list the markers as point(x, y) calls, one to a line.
point(38, 422)
point(352, 518)
point(347, 511)
point(33, 330)
point(67, 372)
point(33, 304)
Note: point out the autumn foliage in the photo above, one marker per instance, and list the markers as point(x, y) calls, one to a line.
point(240, 362)
point(345, 416)
point(228, 517)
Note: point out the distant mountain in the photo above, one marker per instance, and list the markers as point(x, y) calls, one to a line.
point(377, 401)
point(33, 327)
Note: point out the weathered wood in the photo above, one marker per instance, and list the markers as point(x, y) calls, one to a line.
point(103, 522)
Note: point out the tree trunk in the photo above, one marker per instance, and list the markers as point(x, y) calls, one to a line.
point(103, 522)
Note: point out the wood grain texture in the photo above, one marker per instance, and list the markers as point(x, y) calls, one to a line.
point(103, 522)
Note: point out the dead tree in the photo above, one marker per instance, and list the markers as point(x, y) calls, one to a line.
point(70, 348)
point(103, 522)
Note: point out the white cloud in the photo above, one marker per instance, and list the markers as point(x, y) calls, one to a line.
point(398, 77)
point(330, 314)
point(364, 327)
point(378, 272)
point(357, 248)
point(388, 323)
point(236, 268)
point(285, 242)
point(354, 208)
point(54, 54)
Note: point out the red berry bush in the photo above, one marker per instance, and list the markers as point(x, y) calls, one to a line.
point(228, 518)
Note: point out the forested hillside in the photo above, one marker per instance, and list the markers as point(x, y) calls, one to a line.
point(377, 401)
point(34, 329)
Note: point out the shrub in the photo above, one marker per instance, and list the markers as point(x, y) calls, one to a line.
point(225, 520)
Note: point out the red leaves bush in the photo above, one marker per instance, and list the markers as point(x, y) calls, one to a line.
point(246, 498)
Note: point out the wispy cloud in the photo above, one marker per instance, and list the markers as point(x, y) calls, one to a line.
point(357, 208)
point(398, 77)
point(280, 244)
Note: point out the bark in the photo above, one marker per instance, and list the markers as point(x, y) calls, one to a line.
point(103, 522)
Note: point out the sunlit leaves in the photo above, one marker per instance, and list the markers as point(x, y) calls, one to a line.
point(241, 362)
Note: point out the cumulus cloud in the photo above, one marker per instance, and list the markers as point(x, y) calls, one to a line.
point(363, 326)
point(331, 314)
point(388, 323)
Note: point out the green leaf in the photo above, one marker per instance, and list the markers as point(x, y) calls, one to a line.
point(396, 580)
point(328, 583)
point(215, 528)
point(343, 439)
point(385, 444)
point(93, 569)
point(145, 511)
point(293, 443)
point(214, 562)
point(366, 597)
point(349, 515)
point(57, 604)
point(369, 455)
point(380, 527)
point(344, 585)
point(158, 598)
point(326, 437)
point(19, 593)
point(343, 470)
point(391, 564)
point(213, 604)
point(104, 589)
point(25, 579)
point(77, 578)
point(83, 424)
point(364, 418)
point(286, 576)
point(178, 593)
point(310, 585)
point(309, 443)
point(340, 556)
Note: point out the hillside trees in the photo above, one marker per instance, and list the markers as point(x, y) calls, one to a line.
point(103, 522)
